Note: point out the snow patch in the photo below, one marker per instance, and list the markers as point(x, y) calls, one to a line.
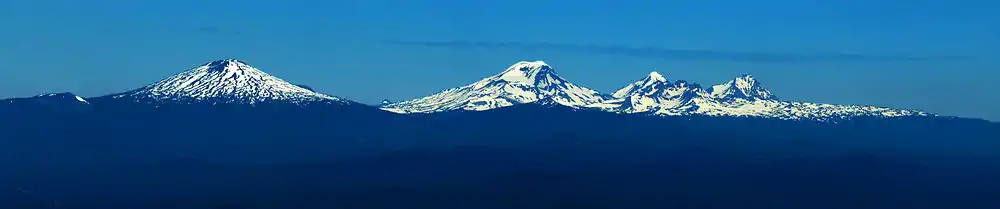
point(78, 98)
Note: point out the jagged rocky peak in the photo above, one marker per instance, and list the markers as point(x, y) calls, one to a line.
point(649, 84)
point(685, 90)
point(683, 84)
point(655, 76)
point(654, 93)
point(227, 81)
point(742, 87)
point(742, 96)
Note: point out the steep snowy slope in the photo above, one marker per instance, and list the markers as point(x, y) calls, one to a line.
point(741, 96)
point(224, 82)
point(654, 93)
point(742, 87)
point(523, 82)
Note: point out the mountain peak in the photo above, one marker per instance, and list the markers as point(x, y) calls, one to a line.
point(650, 84)
point(531, 64)
point(654, 93)
point(227, 65)
point(656, 76)
point(225, 81)
point(745, 77)
point(741, 96)
point(742, 87)
point(521, 83)
point(226, 61)
point(526, 72)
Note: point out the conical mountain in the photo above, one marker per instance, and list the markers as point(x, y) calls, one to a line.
point(227, 81)
point(523, 82)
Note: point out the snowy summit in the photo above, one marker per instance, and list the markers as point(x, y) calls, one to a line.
point(742, 96)
point(537, 82)
point(654, 93)
point(742, 87)
point(523, 82)
point(227, 81)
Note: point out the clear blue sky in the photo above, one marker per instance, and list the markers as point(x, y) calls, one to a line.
point(936, 55)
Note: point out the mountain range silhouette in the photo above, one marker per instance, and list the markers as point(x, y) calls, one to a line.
point(225, 134)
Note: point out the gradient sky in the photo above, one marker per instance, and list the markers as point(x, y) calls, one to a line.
point(936, 55)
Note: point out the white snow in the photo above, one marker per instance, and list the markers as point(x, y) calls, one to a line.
point(744, 86)
point(656, 76)
point(742, 97)
point(647, 85)
point(78, 98)
point(523, 82)
point(523, 72)
point(526, 82)
point(233, 81)
point(225, 81)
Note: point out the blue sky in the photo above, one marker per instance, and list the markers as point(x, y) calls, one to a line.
point(935, 55)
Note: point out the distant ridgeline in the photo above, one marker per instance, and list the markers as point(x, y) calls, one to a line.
point(228, 110)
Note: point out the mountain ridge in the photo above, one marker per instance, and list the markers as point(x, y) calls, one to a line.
point(741, 96)
point(234, 82)
point(95, 154)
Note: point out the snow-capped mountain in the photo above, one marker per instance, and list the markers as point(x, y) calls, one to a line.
point(523, 82)
point(227, 81)
point(235, 82)
point(741, 96)
point(530, 82)
point(649, 84)
point(742, 87)
point(654, 93)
